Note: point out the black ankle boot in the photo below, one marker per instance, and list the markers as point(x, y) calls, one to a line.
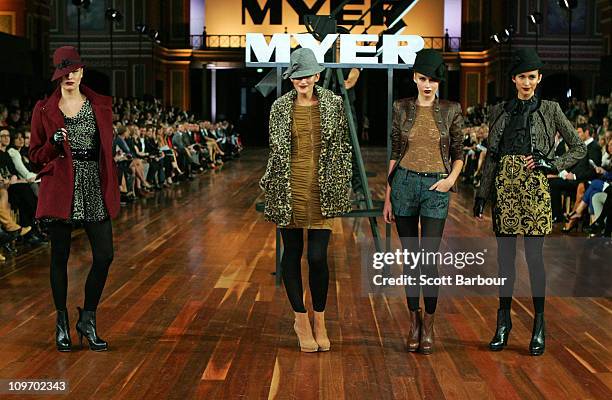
point(62, 331)
point(536, 346)
point(504, 326)
point(86, 326)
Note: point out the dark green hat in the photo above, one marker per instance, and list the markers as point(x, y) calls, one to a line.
point(524, 60)
point(429, 62)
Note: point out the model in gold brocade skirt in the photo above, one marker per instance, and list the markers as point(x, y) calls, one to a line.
point(522, 199)
point(305, 152)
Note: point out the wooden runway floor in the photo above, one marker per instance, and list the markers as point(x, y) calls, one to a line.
point(191, 311)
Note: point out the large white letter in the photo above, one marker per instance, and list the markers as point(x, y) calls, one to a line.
point(349, 49)
point(391, 48)
point(319, 49)
point(281, 42)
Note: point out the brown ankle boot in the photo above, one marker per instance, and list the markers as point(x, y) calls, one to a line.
point(414, 335)
point(304, 333)
point(427, 333)
point(320, 333)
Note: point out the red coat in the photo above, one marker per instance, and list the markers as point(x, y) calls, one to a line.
point(57, 175)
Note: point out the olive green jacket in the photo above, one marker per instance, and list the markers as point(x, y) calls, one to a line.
point(334, 172)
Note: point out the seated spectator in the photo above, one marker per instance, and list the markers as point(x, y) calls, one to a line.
point(581, 173)
point(123, 157)
point(155, 174)
point(20, 194)
point(22, 164)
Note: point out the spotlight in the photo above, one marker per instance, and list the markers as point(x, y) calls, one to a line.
point(509, 31)
point(114, 15)
point(495, 38)
point(568, 4)
point(141, 28)
point(536, 18)
point(81, 3)
point(153, 34)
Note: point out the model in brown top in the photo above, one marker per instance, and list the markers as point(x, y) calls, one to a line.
point(427, 158)
point(424, 136)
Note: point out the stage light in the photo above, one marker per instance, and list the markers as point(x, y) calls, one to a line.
point(153, 34)
point(114, 15)
point(536, 18)
point(397, 11)
point(85, 4)
point(141, 28)
point(82, 3)
point(568, 4)
point(509, 31)
point(495, 38)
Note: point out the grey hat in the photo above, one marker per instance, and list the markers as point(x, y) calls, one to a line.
point(302, 63)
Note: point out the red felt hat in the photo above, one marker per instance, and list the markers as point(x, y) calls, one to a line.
point(66, 60)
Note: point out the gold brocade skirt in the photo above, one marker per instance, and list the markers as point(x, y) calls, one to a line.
point(522, 199)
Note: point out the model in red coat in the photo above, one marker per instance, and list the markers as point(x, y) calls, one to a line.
point(72, 134)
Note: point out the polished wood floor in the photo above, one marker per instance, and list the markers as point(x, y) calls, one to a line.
point(191, 311)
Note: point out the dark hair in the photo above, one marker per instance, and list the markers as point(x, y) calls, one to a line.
point(586, 128)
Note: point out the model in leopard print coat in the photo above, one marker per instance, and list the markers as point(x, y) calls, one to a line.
point(335, 170)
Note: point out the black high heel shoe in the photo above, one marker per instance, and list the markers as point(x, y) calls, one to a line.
point(504, 326)
point(62, 332)
point(86, 326)
point(595, 229)
point(572, 224)
point(537, 345)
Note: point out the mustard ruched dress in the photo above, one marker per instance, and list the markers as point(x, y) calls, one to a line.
point(305, 152)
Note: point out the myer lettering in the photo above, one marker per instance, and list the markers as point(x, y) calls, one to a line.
point(393, 50)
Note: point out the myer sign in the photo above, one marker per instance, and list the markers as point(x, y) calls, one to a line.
point(397, 50)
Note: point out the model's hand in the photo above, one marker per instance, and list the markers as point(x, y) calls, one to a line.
point(479, 205)
point(540, 163)
point(388, 212)
point(59, 136)
point(443, 185)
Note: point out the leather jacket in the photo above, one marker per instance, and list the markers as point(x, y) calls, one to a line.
point(448, 118)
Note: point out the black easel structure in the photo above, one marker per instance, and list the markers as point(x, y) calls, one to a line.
point(367, 207)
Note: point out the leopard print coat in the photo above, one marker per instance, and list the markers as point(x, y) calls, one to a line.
point(335, 170)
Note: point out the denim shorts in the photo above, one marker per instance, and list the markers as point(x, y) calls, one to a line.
point(410, 195)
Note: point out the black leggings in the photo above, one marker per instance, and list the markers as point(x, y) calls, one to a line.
point(506, 256)
point(100, 236)
point(318, 272)
point(431, 236)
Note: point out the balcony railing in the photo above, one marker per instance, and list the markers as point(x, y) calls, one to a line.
point(442, 43)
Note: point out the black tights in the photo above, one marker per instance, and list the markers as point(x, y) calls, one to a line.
point(318, 272)
point(506, 256)
point(431, 236)
point(100, 236)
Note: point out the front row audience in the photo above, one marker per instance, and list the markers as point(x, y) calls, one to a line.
point(149, 157)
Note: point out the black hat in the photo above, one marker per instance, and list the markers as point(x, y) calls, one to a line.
point(429, 62)
point(524, 60)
